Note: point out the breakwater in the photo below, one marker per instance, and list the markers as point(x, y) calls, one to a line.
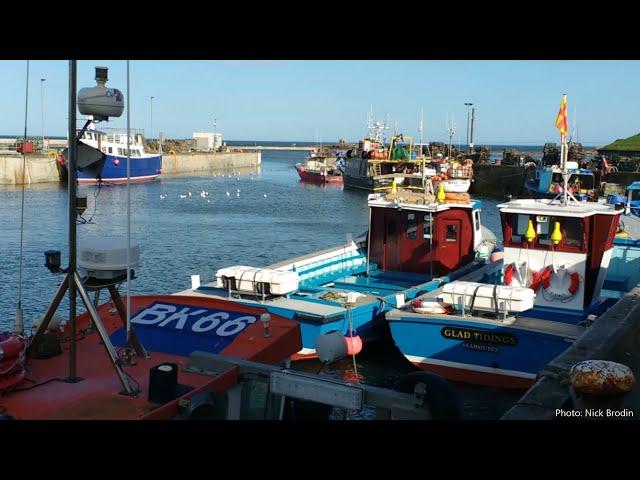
point(37, 169)
point(178, 163)
point(43, 169)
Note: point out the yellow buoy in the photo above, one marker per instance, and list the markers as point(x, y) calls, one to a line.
point(394, 187)
point(530, 234)
point(556, 236)
point(441, 197)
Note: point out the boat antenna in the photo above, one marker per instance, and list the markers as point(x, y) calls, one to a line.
point(18, 326)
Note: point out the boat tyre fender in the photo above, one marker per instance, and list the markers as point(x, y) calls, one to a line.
point(441, 399)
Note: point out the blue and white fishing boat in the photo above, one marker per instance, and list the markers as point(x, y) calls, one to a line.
point(414, 244)
point(145, 167)
point(501, 324)
point(546, 182)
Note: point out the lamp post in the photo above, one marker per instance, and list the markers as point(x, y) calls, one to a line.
point(42, 80)
point(468, 121)
point(151, 129)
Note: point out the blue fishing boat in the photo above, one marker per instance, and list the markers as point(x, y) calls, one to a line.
point(546, 182)
point(414, 244)
point(145, 167)
point(499, 325)
point(503, 323)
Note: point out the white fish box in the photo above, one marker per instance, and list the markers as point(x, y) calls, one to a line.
point(510, 299)
point(257, 280)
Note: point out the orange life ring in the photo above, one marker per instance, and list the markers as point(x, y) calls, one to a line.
point(532, 279)
point(457, 197)
point(572, 289)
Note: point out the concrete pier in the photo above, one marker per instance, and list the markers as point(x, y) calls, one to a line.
point(613, 336)
point(178, 163)
point(38, 169)
point(42, 168)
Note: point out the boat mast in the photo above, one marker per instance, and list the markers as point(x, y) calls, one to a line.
point(563, 156)
point(72, 188)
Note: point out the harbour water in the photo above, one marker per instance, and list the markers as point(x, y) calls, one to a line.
point(254, 217)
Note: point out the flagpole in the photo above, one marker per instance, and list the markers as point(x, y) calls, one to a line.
point(563, 155)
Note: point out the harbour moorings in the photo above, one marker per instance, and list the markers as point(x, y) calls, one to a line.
point(613, 336)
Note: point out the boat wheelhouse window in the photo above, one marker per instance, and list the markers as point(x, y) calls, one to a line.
point(412, 226)
point(476, 215)
point(572, 230)
point(519, 224)
point(110, 149)
point(451, 235)
point(426, 228)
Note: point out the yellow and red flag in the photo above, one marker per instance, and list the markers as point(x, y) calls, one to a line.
point(561, 120)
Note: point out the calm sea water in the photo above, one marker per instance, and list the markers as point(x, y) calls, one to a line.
point(269, 215)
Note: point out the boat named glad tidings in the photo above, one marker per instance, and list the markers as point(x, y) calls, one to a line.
point(503, 323)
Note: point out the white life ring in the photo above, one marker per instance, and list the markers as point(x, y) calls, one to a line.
point(428, 306)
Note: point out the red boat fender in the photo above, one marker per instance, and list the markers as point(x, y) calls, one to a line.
point(60, 159)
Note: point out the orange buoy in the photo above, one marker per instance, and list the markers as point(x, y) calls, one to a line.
point(354, 343)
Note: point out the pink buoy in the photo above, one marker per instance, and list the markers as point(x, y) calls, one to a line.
point(558, 189)
point(116, 162)
point(354, 344)
point(496, 256)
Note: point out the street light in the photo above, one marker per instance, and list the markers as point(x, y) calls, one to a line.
point(151, 129)
point(42, 80)
point(468, 122)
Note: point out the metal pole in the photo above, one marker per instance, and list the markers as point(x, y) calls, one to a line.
point(468, 121)
point(369, 244)
point(42, 80)
point(72, 217)
point(128, 320)
point(473, 121)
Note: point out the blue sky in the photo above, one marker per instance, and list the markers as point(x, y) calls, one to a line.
point(516, 101)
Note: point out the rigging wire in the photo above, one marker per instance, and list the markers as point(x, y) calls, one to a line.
point(24, 165)
point(128, 208)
